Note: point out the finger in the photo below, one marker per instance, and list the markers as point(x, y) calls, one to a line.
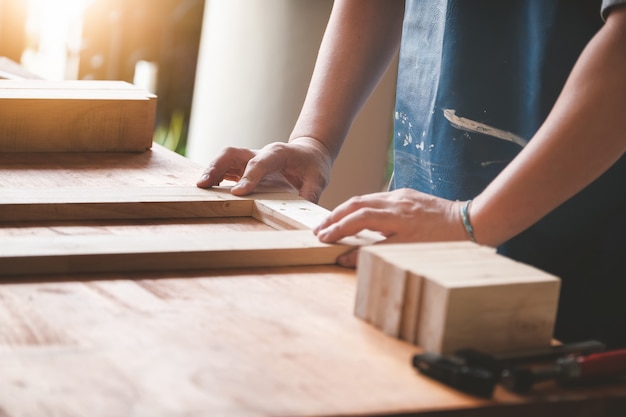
point(375, 200)
point(270, 159)
point(349, 259)
point(229, 164)
point(311, 192)
point(375, 219)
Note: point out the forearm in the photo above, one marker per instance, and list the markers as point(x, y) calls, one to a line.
point(360, 41)
point(582, 137)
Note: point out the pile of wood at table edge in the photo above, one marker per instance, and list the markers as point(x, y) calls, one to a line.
point(75, 116)
point(446, 296)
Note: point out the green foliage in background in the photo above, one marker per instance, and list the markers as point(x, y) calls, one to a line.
point(173, 135)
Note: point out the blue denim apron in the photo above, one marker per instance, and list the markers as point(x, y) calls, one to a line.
point(476, 80)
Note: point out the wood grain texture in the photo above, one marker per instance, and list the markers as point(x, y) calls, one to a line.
point(52, 116)
point(82, 203)
point(156, 167)
point(456, 295)
point(30, 254)
point(270, 342)
point(234, 342)
point(248, 342)
point(33, 255)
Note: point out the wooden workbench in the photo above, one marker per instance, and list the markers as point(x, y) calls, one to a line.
point(237, 342)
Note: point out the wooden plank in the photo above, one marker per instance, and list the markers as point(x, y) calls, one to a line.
point(147, 251)
point(286, 211)
point(32, 255)
point(44, 116)
point(79, 85)
point(92, 254)
point(82, 203)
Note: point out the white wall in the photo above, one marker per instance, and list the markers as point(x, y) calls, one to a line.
point(256, 59)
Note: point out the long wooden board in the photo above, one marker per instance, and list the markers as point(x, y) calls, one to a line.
point(292, 243)
point(83, 203)
point(281, 209)
point(32, 255)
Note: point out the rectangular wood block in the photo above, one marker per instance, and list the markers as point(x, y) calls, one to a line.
point(75, 116)
point(459, 295)
point(389, 293)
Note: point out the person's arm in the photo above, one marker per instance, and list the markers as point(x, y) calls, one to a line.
point(583, 136)
point(360, 40)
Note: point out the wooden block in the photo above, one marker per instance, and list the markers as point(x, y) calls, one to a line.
point(365, 262)
point(498, 316)
point(368, 286)
point(75, 116)
point(389, 294)
point(410, 309)
point(461, 295)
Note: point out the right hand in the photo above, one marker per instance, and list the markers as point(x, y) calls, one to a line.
point(304, 162)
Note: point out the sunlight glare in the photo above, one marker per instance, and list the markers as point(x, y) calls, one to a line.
point(53, 30)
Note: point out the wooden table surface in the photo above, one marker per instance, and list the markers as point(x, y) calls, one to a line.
point(238, 342)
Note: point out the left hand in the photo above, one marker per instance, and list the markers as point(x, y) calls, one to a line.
point(403, 215)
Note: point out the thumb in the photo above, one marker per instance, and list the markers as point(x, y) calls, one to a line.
point(310, 193)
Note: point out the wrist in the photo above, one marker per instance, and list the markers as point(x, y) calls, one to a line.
point(466, 220)
point(489, 227)
point(319, 146)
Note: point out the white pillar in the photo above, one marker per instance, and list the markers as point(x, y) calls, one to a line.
point(255, 62)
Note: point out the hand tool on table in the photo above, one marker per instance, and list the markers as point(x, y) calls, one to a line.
point(499, 362)
point(456, 373)
point(477, 373)
point(568, 370)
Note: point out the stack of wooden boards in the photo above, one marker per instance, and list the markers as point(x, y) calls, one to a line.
point(285, 241)
point(447, 296)
point(75, 116)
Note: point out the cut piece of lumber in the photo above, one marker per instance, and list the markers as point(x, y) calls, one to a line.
point(457, 295)
point(75, 116)
point(279, 210)
point(33, 255)
point(149, 251)
point(82, 203)
point(389, 292)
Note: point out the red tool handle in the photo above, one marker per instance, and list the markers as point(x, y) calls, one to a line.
point(609, 363)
